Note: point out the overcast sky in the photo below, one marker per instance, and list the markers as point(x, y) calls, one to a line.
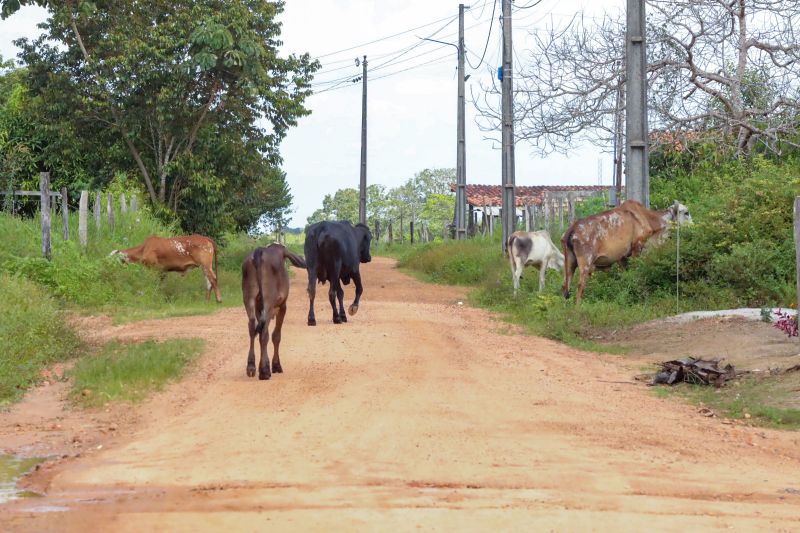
point(412, 114)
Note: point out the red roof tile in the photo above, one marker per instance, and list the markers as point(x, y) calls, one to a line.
point(490, 195)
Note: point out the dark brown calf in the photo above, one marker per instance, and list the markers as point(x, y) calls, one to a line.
point(265, 289)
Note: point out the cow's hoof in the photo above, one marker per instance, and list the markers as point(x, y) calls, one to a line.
point(251, 371)
point(353, 309)
point(263, 375)
point(277, 369)
point(343, 317)
point(312, 322)
point(336, 319)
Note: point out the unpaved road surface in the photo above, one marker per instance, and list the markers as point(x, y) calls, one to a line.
point(419, 414)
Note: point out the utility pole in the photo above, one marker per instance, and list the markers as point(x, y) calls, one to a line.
point(509, 207)
point(362, 198)
point(618, 141)
point(461, 163)
point(637, 178)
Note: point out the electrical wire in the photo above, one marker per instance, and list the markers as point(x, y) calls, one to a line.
point(488, 36)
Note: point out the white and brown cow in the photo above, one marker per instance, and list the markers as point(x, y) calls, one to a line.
point(177, 254)
point(533, 248)
point(600, 240)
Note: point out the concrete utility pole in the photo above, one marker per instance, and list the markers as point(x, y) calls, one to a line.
point(509, 207)
point(362, 199)
point(618, 141)
point(637, 177)
point(461, 159)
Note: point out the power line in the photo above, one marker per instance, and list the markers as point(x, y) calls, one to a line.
point(385, 38)
point(532, 4)
point(488, 36)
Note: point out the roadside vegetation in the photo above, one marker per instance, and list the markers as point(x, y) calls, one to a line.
point(39, 294)
point(33, 334)
point(129, 372)
point(739, 252)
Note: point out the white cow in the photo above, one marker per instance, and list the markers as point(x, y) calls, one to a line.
point(533, 248)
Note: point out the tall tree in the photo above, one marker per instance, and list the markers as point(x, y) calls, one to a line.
point(729, 66)
point(172, 83)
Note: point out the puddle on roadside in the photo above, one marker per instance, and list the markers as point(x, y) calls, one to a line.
point(11, 469)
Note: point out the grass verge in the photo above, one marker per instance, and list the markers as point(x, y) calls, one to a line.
point(132, 371)
point(33, 335)
point(769, 401)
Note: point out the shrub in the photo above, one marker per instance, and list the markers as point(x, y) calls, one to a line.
point(33, 334)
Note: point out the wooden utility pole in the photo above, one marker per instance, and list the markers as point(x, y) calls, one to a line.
point(44, 190)
point(461, 160)
point(362, 198)
point(509, 211)
point(637, 178)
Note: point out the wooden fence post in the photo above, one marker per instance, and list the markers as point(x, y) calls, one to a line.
point(83, 219)
point(110, 210)
point(797, 249)
point(97, 208)
point(561, 214)
point(546, 212)
point(44, 189)
point(65, 212)
point(123, 204)
point(571, 204)
point(134, 204)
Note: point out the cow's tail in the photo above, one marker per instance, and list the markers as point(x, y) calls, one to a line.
point(214, 247)
point(295, 259)
point(510, 250)
point(262, 319)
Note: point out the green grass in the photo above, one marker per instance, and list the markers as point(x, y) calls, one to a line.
point(33, 335)
point(131, 372)
point(479, 263)
point(771, 401)
point(91, 282)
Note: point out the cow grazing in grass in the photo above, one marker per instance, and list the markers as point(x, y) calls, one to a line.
point(533, 248)
point(177, 254)
point(334, 251)
point(600, 240)
point(265, 289)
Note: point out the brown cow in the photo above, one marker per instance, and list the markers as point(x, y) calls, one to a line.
point(177, 254)
point(265, 288)
point(600, 240)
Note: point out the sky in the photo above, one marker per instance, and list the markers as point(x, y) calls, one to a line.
point(411, 114)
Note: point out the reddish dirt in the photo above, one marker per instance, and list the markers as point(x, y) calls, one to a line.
point(419, 413)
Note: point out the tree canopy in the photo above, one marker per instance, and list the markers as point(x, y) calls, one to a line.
point(192, 98)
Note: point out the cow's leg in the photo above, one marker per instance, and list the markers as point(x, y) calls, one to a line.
point(586, 271)
point(276, 340)
point(263, 363)
point(252, 323)
point(211, 283)
point(519, 266)
point(332, 290)
point(312, 291)
point(340, 298)
point(542, 274)
point(359, 289)
point(569, 269)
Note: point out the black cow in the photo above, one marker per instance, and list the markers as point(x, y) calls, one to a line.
point(333, 252)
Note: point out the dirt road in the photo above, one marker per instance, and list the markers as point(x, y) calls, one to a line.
point(418, 414)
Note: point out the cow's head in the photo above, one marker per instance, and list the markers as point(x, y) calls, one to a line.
point(363, 239)
point(679, 214)
point(119, 253)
